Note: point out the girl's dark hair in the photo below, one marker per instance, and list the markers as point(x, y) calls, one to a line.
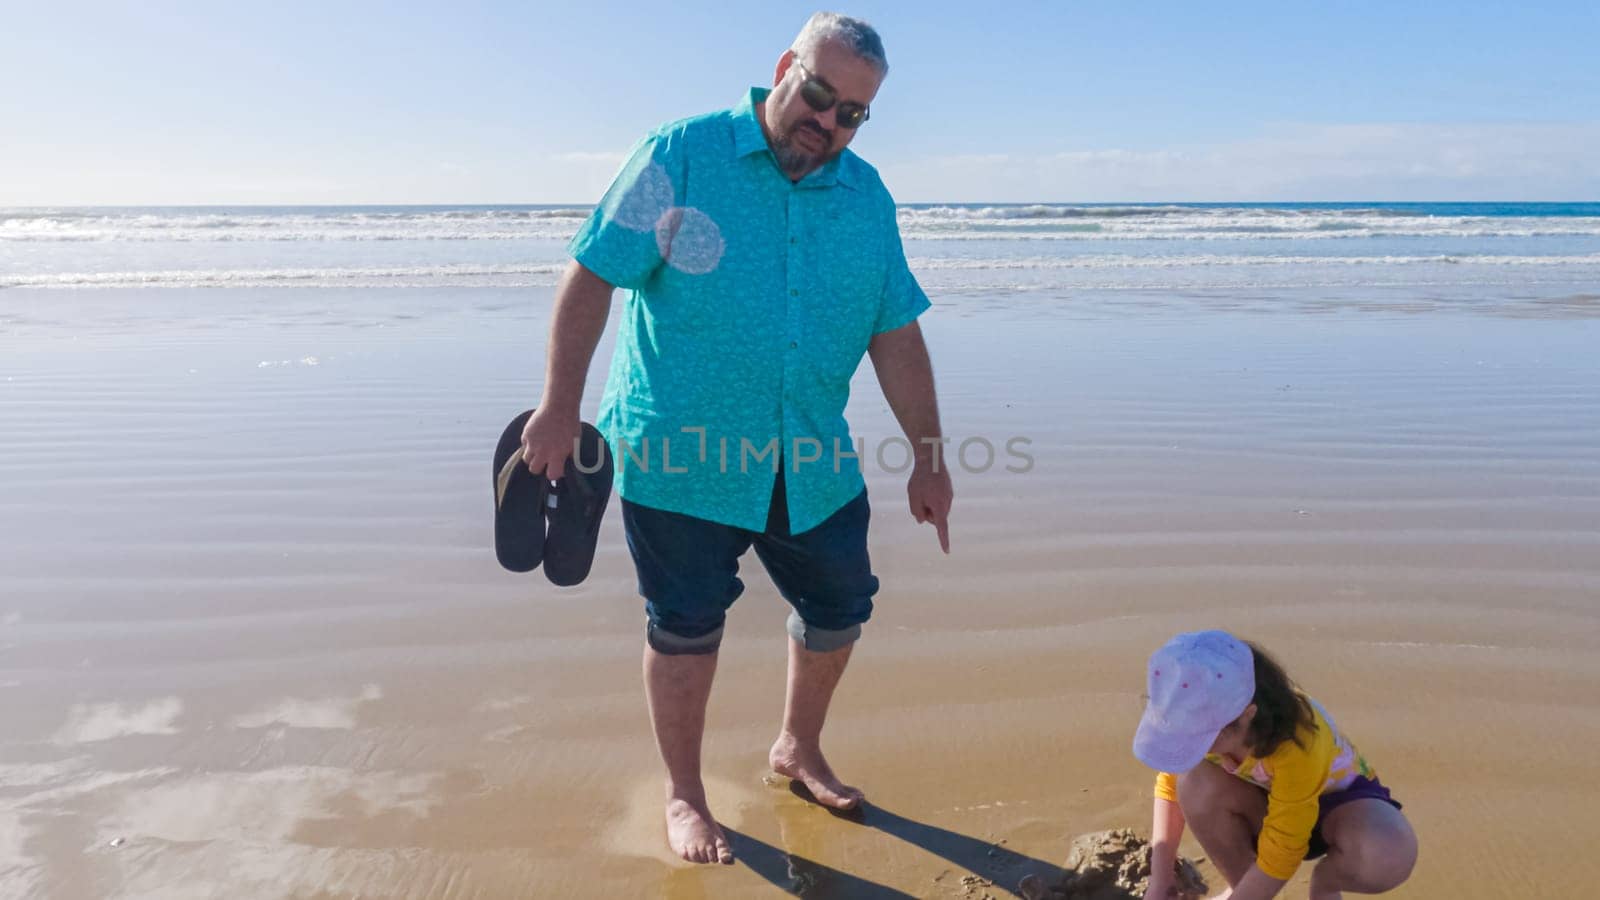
point(1282, 712)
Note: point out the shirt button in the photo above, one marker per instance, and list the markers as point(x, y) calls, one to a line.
point(793, 344)
point(794, 240)
point(794, 293)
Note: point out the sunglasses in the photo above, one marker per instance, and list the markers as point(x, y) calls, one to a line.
point(820, 96)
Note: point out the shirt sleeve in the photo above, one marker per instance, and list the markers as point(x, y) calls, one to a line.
point(1292, 806)
point(618, 241)
point(1167, 786)
point(903, 299)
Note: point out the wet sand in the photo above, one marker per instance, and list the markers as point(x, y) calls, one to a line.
point(253, 641)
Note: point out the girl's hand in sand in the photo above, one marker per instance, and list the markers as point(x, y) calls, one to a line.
point(1161, 889)
point(548, 439)
point(931, 495)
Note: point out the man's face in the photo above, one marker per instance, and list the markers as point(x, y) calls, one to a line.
point(801, 137)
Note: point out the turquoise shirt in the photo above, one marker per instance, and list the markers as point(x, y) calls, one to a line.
point(751, 301)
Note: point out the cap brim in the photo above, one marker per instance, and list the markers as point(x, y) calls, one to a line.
point(1168, 751)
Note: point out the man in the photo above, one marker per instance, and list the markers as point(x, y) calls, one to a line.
point(763, 259)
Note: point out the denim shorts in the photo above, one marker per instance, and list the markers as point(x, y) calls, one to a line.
point(688, 572)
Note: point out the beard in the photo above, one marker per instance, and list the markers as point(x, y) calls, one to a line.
point(797, 160)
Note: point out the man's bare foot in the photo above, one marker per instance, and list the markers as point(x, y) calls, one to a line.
point(693, 834)
point(805, 764)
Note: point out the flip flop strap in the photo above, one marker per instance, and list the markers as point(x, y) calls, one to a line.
point(503, 480)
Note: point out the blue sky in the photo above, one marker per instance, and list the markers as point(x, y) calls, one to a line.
point(352, 102)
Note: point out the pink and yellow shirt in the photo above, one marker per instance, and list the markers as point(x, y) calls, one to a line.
point(1295, 777)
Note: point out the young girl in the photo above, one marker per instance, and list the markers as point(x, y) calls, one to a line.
point(1263, 776)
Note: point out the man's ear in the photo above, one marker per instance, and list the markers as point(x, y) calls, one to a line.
point(784, 62)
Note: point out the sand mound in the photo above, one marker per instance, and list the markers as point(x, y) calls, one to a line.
point(1111, 865)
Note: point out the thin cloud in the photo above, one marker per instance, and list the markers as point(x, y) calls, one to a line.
point(610, 157)
point(1411, 161)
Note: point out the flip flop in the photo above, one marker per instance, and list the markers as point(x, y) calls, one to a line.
point(519, 503)
point(577, 504)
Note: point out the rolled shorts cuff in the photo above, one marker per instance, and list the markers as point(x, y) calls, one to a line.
point(822, 640)
point(669, 644)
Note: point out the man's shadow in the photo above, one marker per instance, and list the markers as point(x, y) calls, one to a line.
point(1003, 867)
point(803, 877)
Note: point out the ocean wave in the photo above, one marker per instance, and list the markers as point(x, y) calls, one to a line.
point(1244, 232)
point(531, 275)
point(1041, 223)
point(434, 225)
point(1024, 212)
point(1121, 261)
point(363, 276)
point(1035, 222)
point(1036, 211)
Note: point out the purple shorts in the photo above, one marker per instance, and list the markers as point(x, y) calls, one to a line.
point(1363, 788)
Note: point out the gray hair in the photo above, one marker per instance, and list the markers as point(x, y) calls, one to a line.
point(856, 35)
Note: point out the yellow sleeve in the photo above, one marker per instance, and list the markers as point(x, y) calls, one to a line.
point(1298, 776)
point(1167, 786)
